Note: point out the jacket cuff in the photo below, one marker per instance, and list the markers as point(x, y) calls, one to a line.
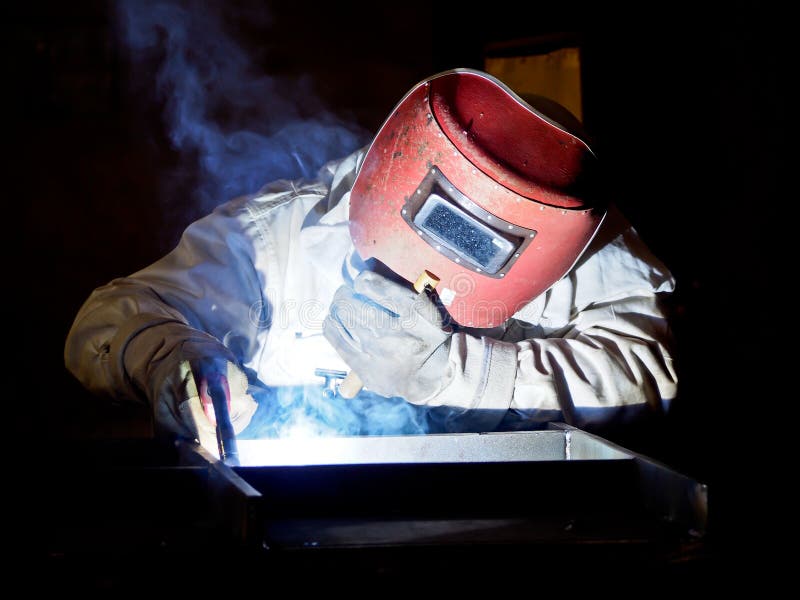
point(483, 372)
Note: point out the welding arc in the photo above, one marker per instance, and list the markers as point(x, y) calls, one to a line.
point(352, 384)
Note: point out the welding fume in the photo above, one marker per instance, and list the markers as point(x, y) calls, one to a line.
point(465, 271)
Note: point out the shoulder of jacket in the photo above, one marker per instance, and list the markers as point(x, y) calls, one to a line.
point(276, 194)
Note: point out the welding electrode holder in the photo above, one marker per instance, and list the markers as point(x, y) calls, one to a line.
point(226, 436)
point(352, 384)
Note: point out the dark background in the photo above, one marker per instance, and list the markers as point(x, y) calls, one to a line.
point(686, 105)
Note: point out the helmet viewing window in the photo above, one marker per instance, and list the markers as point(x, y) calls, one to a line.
point(461, 230)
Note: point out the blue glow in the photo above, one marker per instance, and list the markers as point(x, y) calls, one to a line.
point(312, 412)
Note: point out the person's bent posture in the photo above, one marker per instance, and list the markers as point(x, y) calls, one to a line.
point(540, 301)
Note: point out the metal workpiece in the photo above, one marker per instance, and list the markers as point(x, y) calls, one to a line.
point(348, 508)
point(673, 496)
point(557, 485)
point(430, 448)
point(234, 502)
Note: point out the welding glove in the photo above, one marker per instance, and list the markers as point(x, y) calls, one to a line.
point(175, 379)
point(391, 336)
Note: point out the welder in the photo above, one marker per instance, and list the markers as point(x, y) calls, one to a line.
point(540, 301)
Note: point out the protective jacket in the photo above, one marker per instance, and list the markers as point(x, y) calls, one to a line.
point(259, 272)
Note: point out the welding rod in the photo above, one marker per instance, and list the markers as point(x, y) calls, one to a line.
point(226, 436)
point(352, 384)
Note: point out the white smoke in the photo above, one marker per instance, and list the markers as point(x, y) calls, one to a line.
point(310, 411)
point(239, 126)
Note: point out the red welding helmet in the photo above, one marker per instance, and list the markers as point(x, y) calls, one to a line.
point(468, 181)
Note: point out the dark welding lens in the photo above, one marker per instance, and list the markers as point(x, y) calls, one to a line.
point(465, 235)
point(462, 230)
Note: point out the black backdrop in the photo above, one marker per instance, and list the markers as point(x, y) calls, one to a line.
point(687, 109)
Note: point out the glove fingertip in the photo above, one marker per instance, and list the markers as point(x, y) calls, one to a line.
point(333, 330)
point(382, 290)
point(364, 281)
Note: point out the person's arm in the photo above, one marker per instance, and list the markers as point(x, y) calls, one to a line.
point(595, 349)
point(137, 338)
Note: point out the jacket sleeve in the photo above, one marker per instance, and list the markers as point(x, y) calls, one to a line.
point(594, 350)
point(207, 289)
